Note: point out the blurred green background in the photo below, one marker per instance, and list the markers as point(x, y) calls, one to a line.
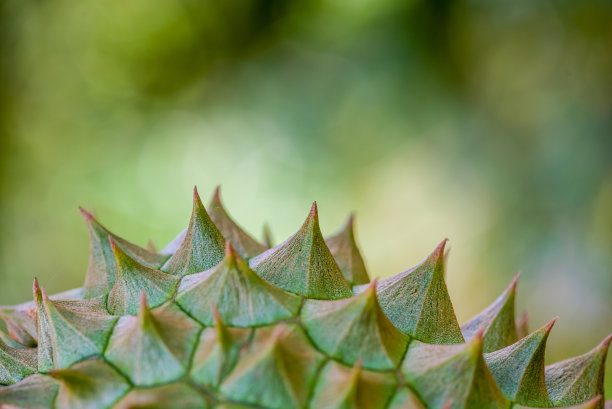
point(488, 122)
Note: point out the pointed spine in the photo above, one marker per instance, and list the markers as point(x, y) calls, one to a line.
point(577, 379)
point(497, 320)
point(457, 372)
point(166, 333)
point(15, 363)
point(101, 269)
point(519, 368)
point(89, 384)
point(246, 245)
point(346, 253)
point(277, 372)
point(303, 264)
point(355, 329)
point(70, 330)
point(132, 278)
point(202, 246)
point(242, 297)
point(417, 301)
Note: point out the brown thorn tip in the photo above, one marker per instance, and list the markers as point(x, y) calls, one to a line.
point(372, 285)
point(56, 373)
point(217, 194)
point(38, 290)
point(439, 251)
point(314, 211)
point(113, 244)
point(35, 286)
point(514, 282)
point(550, 324)
point(86, 215)
point(196, 195)
point(278, 332)
point(229, 249)
point(479, 334)
point(351, 220)
point(357, 369)
point(216, 315)
point(143, 301)
point(606, 342)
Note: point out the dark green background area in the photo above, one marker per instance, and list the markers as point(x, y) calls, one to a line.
point(488, 122)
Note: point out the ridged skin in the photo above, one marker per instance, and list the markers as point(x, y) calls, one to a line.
point(218, 320)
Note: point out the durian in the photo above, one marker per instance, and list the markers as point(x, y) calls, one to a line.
point(218, 320)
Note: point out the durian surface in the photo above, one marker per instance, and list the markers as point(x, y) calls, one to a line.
point(219, 320)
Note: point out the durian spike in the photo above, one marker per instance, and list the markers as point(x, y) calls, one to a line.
point(519, 368)
point(459, 372)
point(202, 246)
point(217, 352)
point(33, 392)
point(343, 247)
point(497, 319)
point(417, 301)
point(133, 278)
point(20, 324)
point(255, 301)
point(16, 363)
point(314, 272)
point(101, 268)
point(355, 329)
point(169, 335)
point(89, 384)
point(246, 245)
point(569, 382)
point(70, 330)
point(264, 376)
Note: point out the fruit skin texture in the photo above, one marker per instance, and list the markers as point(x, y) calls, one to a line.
point(219, 320)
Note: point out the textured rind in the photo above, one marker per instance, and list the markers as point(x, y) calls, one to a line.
point(519, 368)
point(303, 264)
point(452, 372)
point(417, 301)
point(100, 275)
point(153, 347)
point(241, 297)
point(355, 330)
point(208, 330)
point(201, 247)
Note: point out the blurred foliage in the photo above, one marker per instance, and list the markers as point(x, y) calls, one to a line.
point(488, 122)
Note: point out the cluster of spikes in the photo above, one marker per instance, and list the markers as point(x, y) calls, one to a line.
point(220, 320)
